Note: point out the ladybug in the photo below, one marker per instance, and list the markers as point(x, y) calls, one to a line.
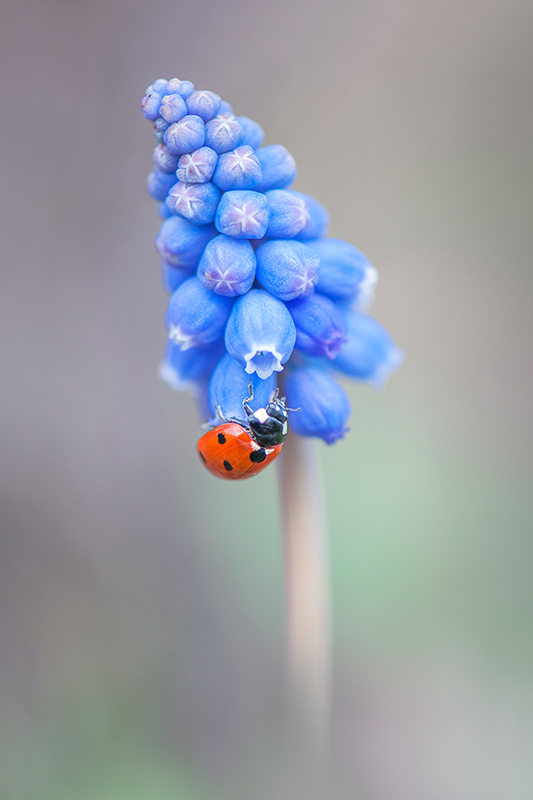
point(237, 450)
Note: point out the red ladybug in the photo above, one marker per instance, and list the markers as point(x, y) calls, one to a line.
point(237, 450)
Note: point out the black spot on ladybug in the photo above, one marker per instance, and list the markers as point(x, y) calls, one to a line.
point(227, 466)
point(221, 438)
point(257, 456)
point(202, 457)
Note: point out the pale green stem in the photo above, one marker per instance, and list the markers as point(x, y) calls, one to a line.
point(307, 598)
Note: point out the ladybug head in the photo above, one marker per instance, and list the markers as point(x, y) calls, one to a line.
point(270, 425)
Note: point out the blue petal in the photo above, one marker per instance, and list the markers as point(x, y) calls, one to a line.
point(287, 269)
point(324, 405)
point(159, 183)
point(223, 133)
point(196, 317)
point(253, 132)
point(319, 325)
point(229, 387)
point(164, 160)
point(369, 353)
point(343, 269)
point(198, 166)
point(279, 167)
point(186, 135)
point(203, 104)
point(172, 277)
point(173, 107)
point(196, 202)
point(181, 243)
point(227, 266)
point(288, 214)
point(238, 169)
point(260, 333)
point(184, 88)
point(318, 221)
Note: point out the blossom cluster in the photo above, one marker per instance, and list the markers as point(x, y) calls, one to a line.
point(256, 285)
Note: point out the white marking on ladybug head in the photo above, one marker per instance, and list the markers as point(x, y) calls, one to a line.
point(261, 415)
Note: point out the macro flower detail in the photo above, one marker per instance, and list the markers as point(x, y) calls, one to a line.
point(259, 293)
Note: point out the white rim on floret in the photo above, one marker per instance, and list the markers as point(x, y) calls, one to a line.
point(384, 371)
point(366, 291)
point(264, 361)
point(184, 340)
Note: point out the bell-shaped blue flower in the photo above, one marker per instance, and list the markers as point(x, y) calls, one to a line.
point(186, 135)
point(319, 325)
point(279, 167)
point(238, 169)
point(186, 370)
point(260, 333)
point(203, 104)
point(164, 160)
point(318, 218)
point(196, 202)
point(228, 387)
point(196, 317)
point(173, 107)
point(198, 166)
point(253, 132)
point(223, 133)
point(369, 352)
point(288, 214)
point(181, 243)
point(343, 269)
point(159, 183)
point(324, 405)
point(227, 266)
point(287, 269)
point(243, 214)
point(183, 88)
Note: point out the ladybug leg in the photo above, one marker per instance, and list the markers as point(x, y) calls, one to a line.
point(246, 402)
point(220, 415)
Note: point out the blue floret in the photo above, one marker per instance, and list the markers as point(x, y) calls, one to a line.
point(324, 405)
point(198, 166)
point(239, 169)
point(279, 167)
point(159, 183)
point(287, 269)
point(185, 136)
point(181, 243)
point(203, 104)
point(227, 266)
point(197, 317)
point(196, 202)
point(243, 214)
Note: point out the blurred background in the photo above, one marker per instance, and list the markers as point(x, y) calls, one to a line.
point(141, 618)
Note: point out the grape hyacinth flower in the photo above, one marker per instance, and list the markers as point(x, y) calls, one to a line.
point(258, 289)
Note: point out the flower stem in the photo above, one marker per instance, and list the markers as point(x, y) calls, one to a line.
point(306, 592)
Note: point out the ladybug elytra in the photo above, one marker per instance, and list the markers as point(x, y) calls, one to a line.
point(237, 450)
